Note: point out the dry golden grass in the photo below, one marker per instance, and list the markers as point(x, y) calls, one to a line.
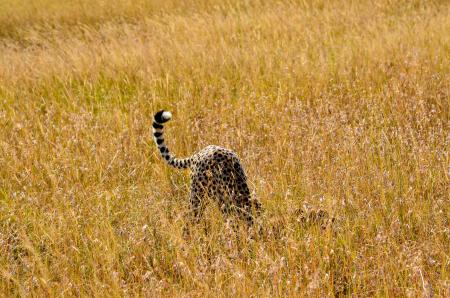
point(341, 106)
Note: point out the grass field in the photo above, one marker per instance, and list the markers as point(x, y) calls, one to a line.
point(341, 106)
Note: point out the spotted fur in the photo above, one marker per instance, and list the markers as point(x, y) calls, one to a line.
point(216, 173)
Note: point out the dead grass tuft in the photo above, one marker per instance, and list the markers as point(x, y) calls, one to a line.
point(339, 106)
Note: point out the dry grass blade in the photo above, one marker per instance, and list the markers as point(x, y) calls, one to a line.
point(339, 106)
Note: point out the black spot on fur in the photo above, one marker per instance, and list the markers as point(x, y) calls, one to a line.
point(156, 125)
point(162, 149)
point(157, 134)
point(160, 141)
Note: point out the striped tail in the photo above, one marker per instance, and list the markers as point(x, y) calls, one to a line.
point(158, 120)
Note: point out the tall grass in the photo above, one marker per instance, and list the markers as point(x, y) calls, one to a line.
point(341, 106)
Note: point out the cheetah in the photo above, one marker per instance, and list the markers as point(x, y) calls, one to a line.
point(216, 173)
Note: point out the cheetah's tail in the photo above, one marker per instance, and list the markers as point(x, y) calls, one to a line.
point(158, 120)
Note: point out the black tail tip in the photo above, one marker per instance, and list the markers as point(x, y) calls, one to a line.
point(162, 116)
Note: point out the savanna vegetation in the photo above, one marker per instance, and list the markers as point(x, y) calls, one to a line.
point(338, 106)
